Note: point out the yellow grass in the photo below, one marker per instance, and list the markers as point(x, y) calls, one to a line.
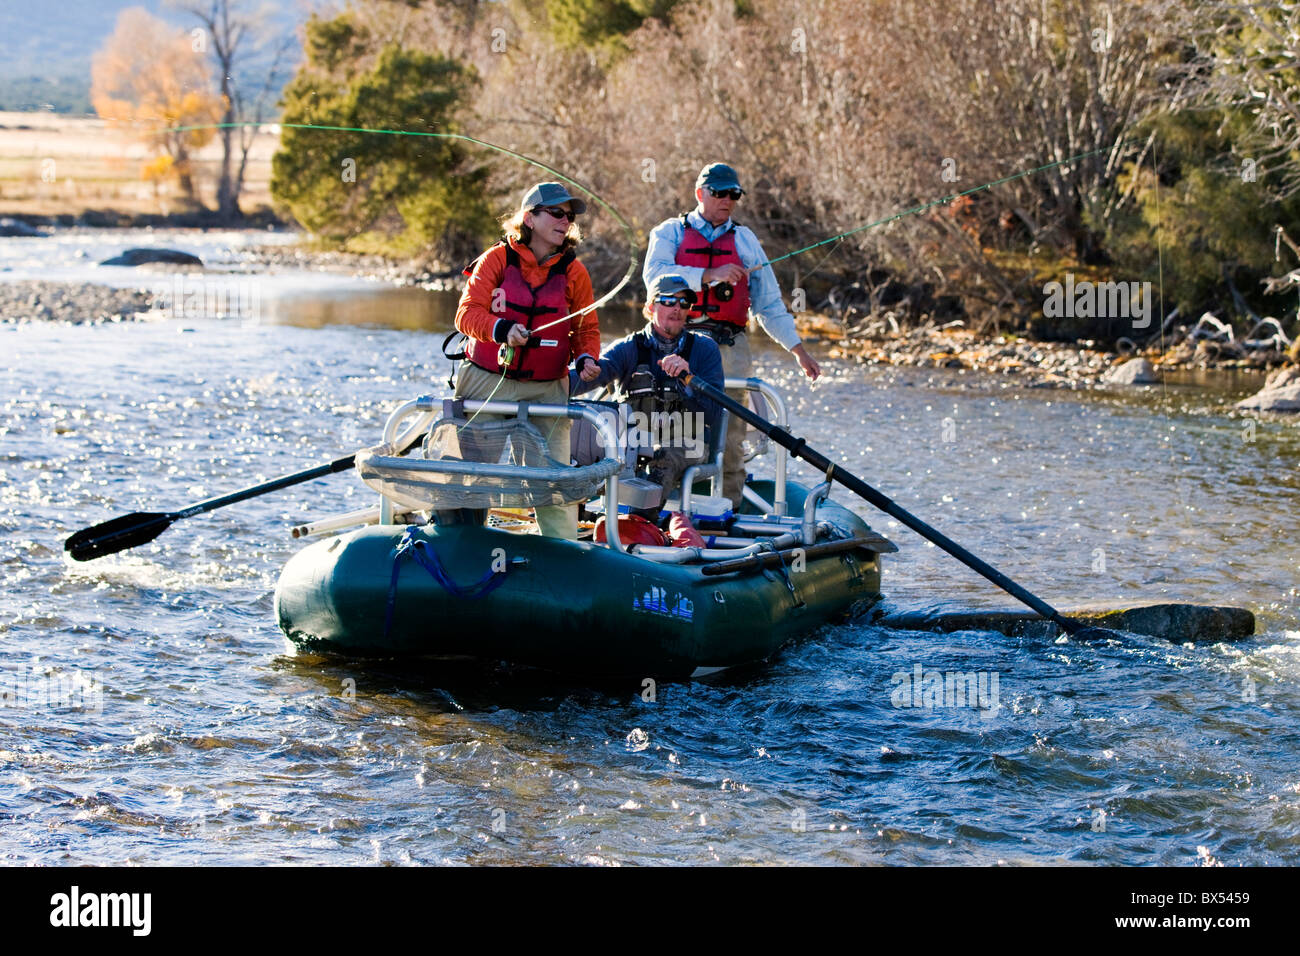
point(68, 165)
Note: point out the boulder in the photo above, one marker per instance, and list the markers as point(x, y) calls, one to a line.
point(1284, 399)
point(138, 257)
point(16, 227)
point(1286, 375)
point(1136, 371)
point(1180, 623)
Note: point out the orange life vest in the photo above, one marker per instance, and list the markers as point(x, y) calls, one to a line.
point(546, 356)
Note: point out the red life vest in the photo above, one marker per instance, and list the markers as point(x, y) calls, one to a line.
point(697, 251)
point(546, 356)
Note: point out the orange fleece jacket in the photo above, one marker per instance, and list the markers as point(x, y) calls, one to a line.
point(474, 315)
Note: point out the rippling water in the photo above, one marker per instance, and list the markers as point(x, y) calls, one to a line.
point(215, 744)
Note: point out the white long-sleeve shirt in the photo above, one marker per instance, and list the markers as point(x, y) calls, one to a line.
point(765, 302)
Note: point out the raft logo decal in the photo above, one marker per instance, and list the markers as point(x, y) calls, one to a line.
point(661, 599)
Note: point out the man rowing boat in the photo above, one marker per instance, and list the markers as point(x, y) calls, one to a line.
point(644, 367)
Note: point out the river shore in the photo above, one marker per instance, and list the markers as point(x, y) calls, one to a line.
point(75, 302)
point(1036, 364)
point(952, 346)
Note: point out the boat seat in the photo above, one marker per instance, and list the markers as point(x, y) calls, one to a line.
point(711, 467)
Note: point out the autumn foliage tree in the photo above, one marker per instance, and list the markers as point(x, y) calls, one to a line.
point(147, 79)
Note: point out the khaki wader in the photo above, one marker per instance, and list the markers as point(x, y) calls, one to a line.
point(476, 384)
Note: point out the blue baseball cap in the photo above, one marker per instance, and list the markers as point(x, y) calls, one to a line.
point(718, 176)
point(551, 194)
point(670, 284)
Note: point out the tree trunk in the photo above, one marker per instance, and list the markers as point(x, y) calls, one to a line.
point(184, 177)
point(227, 193)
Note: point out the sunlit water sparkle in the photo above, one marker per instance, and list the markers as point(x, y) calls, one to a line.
point(216, 745)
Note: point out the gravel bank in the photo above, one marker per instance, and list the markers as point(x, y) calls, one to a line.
point(1035, 364)
point(35, 301)
point(299, 257)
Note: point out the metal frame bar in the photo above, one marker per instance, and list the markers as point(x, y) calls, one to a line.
point(691, 475)
point(430, 407)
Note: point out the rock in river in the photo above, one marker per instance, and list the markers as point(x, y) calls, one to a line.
point(16, 227)
point(1281, 392)
point(138, 257)
point(1136, 371)
point(1173, 622)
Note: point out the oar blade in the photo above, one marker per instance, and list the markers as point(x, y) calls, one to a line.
point(120, 534)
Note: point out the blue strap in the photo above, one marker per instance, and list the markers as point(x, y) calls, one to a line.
point(423, 553)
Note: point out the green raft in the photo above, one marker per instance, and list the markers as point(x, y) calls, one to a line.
point(460, 588)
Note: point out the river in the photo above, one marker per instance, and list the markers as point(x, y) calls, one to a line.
point(200, 737)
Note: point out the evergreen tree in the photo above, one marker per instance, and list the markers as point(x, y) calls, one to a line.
point(597, 23)
point(1208, 222)
point(401, 194)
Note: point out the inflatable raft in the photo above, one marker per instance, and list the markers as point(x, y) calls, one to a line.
point(440, 582)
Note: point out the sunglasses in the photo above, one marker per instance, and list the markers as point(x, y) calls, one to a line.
point(726, 193)
point(557, 212)
point(674, 301)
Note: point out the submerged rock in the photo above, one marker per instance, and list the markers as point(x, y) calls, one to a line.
point(10, 228)
point(1173, 622)
point(1285, 399)
point(139, 257)
point(1136, 371)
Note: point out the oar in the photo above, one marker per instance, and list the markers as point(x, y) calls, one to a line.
point(799, 448)
point(141, 527)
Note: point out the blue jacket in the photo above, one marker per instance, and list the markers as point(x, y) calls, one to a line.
point(618, 362)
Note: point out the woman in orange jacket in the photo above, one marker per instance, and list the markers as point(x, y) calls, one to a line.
point(523, 293)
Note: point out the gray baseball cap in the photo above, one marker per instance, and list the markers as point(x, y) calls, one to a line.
point(718, 176)
point(551, 194)
point(670, 284)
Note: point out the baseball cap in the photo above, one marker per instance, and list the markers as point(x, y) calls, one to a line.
point(718, 176)
point(670, 284)
point(551, 194)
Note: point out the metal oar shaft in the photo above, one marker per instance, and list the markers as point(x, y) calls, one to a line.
point(889, 507)
point(275, 484)
point(799, 448)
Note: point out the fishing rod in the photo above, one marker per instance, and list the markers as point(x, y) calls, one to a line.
point(725, 290)
point(912, 211)
point(628, 231)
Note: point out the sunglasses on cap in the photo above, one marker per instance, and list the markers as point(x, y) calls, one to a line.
point(677, 301)
point(726, 193)
point(557, 212)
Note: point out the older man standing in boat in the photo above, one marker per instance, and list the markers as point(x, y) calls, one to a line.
point(725, 265)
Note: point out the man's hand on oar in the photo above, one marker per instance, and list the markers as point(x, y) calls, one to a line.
point(141, 527)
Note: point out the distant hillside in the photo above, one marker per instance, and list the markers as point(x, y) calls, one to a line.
point(64, 94)
point(47, 48)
